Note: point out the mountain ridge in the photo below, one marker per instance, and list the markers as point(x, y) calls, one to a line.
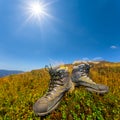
point(4, 72)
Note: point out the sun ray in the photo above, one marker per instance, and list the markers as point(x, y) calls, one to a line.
point(37, 10)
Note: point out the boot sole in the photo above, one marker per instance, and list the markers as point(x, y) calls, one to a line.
point(97, 91)
point(98, 88)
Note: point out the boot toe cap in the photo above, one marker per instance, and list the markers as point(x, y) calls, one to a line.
point(40, 108)
point(103, 87)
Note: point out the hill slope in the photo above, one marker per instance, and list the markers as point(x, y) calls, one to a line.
point(18, 93)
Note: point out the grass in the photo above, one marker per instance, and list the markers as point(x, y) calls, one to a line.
point(18, 93)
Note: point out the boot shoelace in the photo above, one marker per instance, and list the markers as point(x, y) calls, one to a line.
point(84, 69)
point(56, 80)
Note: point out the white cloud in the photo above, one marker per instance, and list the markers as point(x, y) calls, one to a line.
point(94, 59)
point(113, 47)
point(85, 59)
point(97, 58)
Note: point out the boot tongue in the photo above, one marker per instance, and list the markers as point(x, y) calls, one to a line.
point(56, 77)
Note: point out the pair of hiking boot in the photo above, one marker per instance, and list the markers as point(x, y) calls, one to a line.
point(61, 82)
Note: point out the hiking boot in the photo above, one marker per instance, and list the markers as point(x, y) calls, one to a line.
point(80, 78)
point(60, 83)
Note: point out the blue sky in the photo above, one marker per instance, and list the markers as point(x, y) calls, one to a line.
point(79, 29)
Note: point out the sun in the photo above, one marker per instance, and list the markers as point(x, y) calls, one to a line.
point(37, 10)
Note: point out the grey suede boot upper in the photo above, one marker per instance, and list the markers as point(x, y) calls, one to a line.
point(60, 82)
point(80, 74)
point(80, 78)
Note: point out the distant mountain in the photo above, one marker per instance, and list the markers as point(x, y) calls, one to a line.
point(9, 72)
